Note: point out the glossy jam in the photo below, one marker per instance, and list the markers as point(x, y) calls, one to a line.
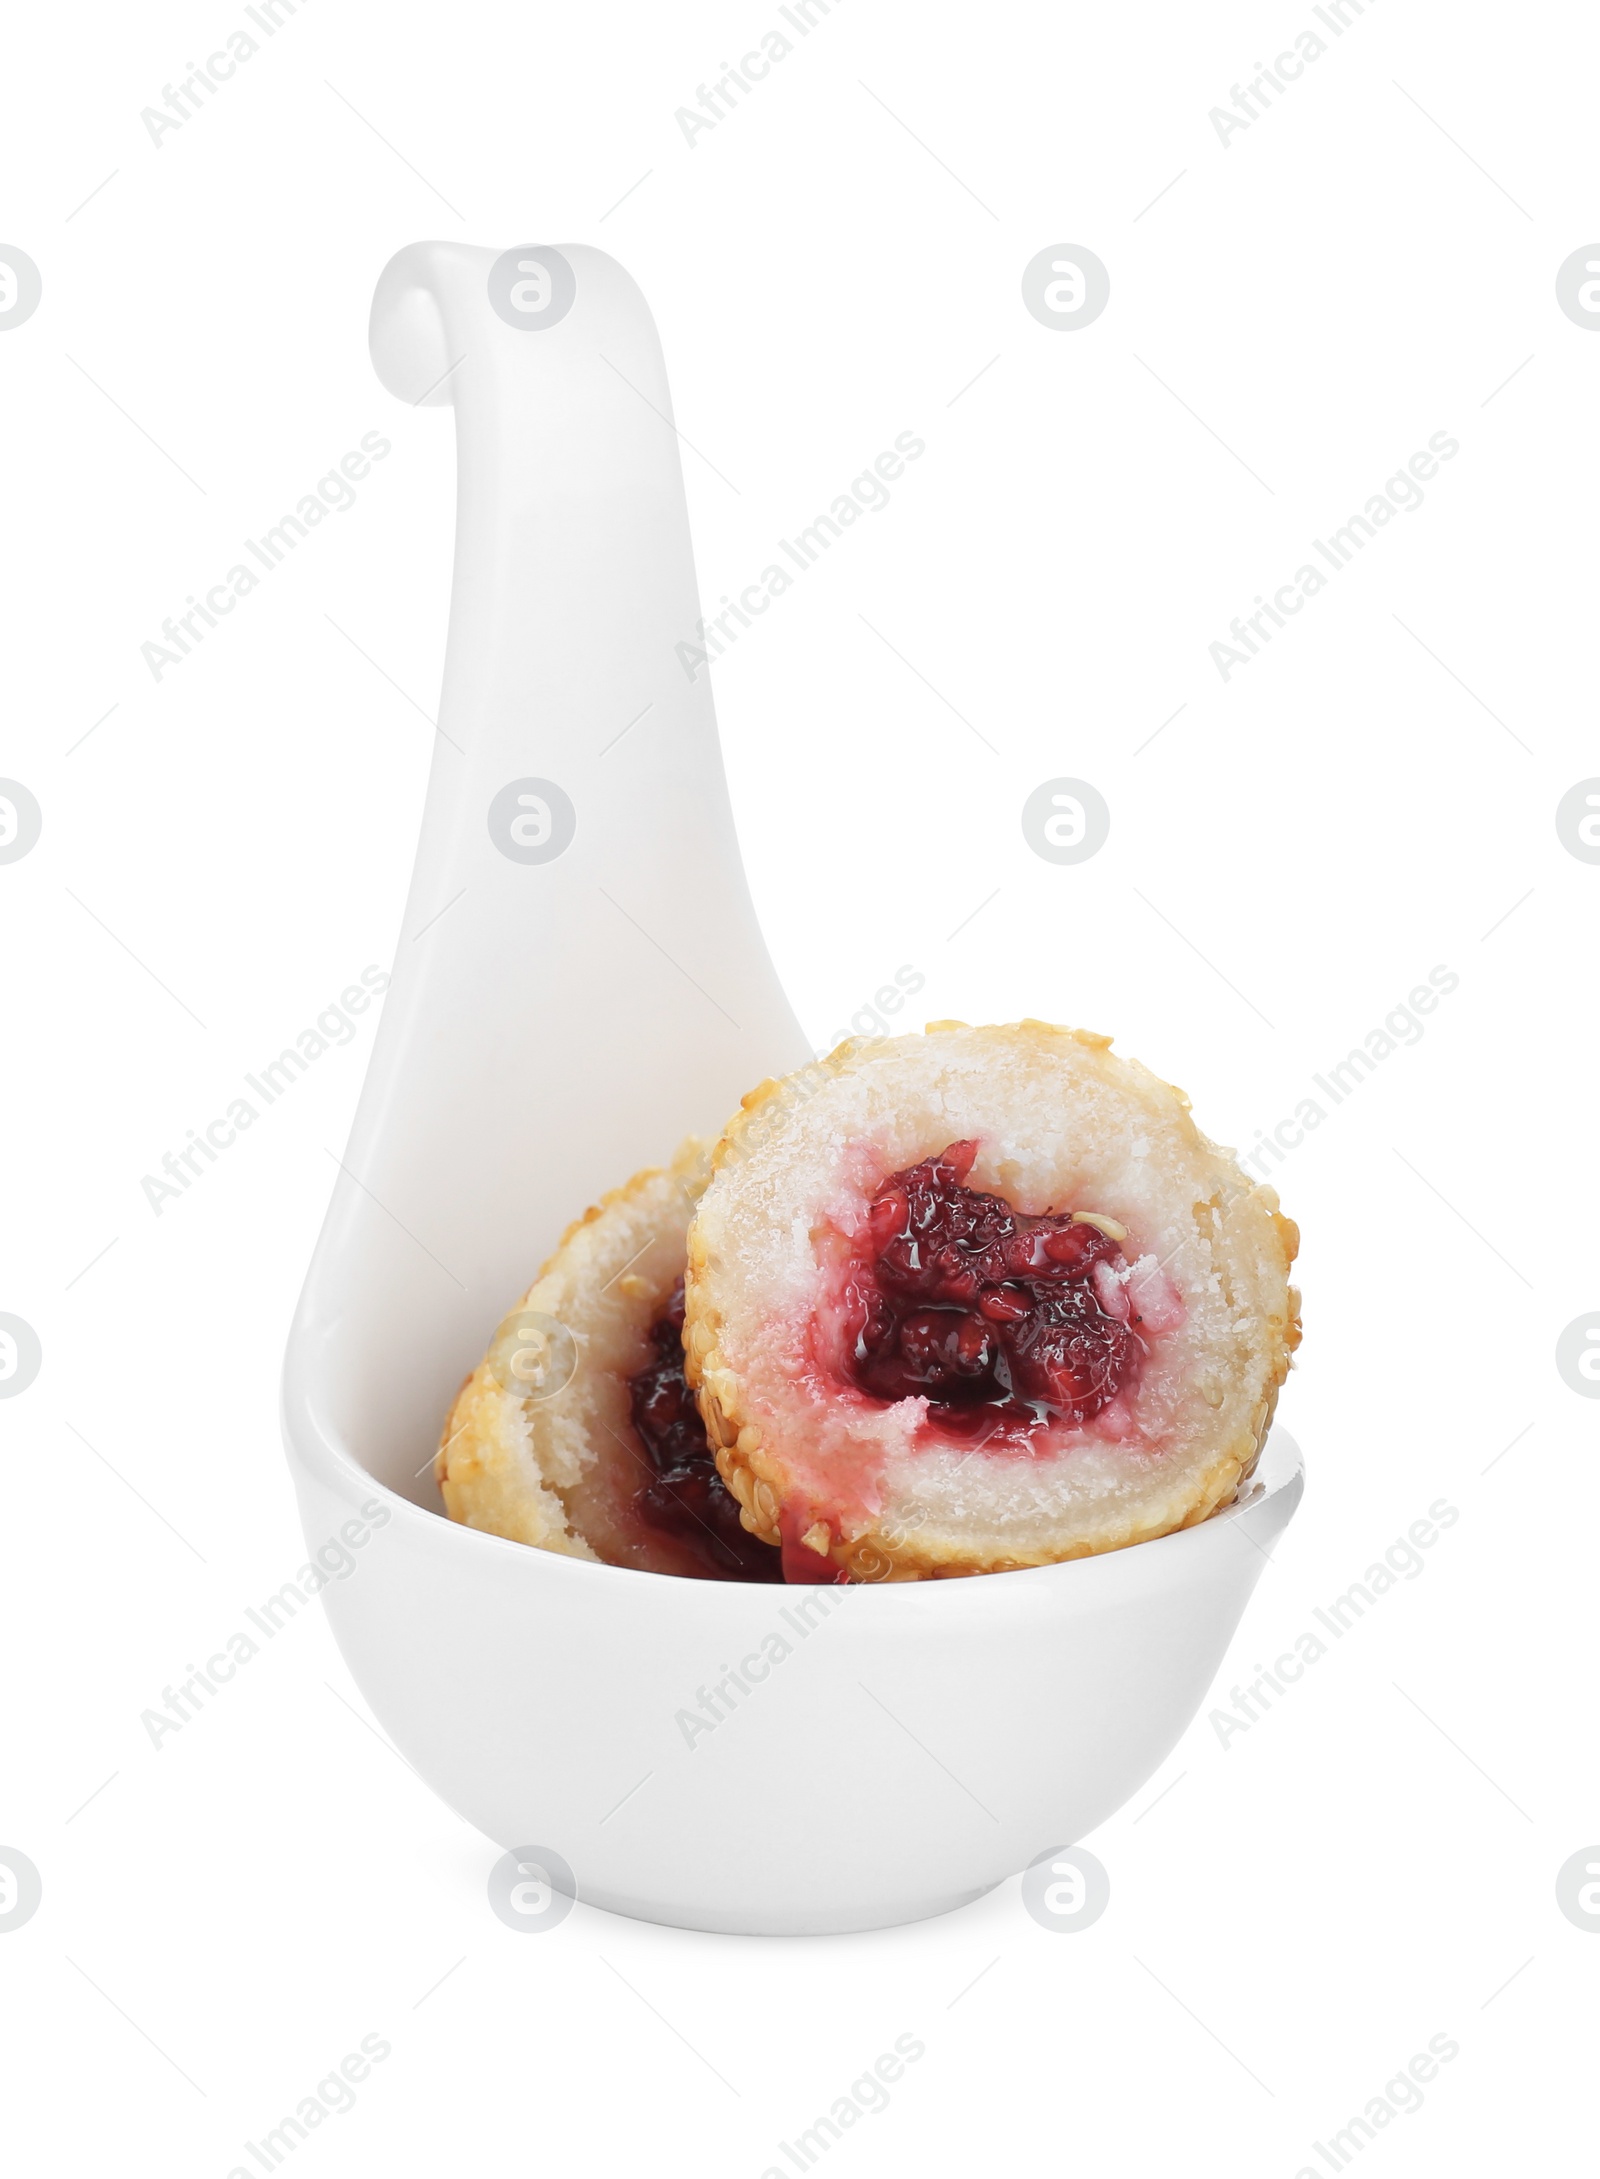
point(688, 1498)
point(1005, 1323)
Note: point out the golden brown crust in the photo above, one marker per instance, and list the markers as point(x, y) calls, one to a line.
point(757, 1475)
point(555, 1471)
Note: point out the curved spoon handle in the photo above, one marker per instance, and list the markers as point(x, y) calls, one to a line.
point(580, 978)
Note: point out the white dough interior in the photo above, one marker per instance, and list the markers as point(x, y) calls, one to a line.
point(1061, 1124)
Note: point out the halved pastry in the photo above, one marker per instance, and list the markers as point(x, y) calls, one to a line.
point(981, 1299)
point(576, 1432)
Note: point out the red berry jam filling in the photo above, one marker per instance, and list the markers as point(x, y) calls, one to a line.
point(1003, 1322)
point(688, 1498)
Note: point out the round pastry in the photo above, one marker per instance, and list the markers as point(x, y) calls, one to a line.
point(981, 1299)
point(576, 1432)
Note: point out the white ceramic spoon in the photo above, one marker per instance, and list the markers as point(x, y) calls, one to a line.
point(555, 1020)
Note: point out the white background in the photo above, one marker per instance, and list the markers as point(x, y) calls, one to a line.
point(1293, 1915)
